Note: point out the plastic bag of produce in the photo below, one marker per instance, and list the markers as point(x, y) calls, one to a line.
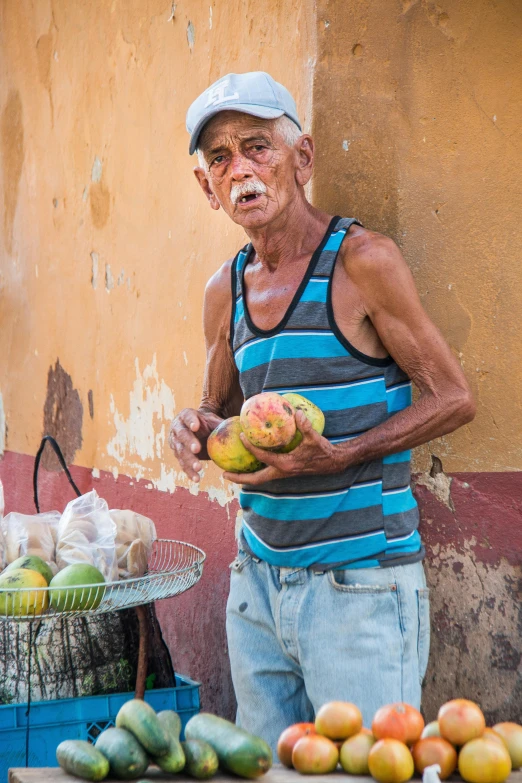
point(31, 534)
point(135, 535)
point(86, 534)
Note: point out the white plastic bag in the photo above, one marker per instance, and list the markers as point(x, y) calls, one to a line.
point(135, 535)
point(86, 534)
point(31, 534)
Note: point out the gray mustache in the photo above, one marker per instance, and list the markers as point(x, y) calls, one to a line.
point(245, 189)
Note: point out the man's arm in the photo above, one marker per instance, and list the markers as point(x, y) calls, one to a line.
point(391, 302)
point(388, 296)
point(222, 396)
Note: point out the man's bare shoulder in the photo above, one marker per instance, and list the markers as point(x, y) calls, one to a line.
point(219, 287)
point(367, 253)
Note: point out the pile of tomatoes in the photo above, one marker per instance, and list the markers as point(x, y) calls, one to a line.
point(400, 744)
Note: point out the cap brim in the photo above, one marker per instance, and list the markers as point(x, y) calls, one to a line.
point(264, 112)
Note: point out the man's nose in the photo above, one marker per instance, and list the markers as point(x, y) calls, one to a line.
point(240, 167)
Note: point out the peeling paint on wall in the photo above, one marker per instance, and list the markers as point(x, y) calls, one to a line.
point(63, 417)
point(143, 431)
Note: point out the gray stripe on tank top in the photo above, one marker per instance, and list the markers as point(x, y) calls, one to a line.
point(397, 525)
point(283, 373)
point(356, 474)
point(296, 533)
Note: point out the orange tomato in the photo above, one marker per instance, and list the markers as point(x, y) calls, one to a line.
point(511, 733)
point(338, 720)
point(398, 721)
point(435, 750)
point(460, 721)
point(390, 761)
point(314, 754)
point(483, 761)
point(289, 737)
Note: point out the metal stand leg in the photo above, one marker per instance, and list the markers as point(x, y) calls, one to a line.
point(143, 652)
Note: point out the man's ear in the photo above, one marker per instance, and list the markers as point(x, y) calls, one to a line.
point(201, 176)
point(305, 156)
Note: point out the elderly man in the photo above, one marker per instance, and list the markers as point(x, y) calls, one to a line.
point(328, 599)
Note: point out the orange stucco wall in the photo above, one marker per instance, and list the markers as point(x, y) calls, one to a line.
point(107, 241)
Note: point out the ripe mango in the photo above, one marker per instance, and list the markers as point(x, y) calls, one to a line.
point(225, 448)
point(314, 415)
point(268, 420)
point(26, 602)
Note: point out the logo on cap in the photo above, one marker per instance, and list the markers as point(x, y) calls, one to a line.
point(216, 94)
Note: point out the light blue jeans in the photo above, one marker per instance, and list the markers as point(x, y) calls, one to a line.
point(298, 639)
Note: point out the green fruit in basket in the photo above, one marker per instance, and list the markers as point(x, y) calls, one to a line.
point(20, 603)
point(81, 759)
point(139, 718)
point(127, 759)
point(72, 598)
point(33, 563)
point(202, 762)
point(174, 760)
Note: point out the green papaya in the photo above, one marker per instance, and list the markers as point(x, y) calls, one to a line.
point(174, 760)
point(80, 758)
point(127, 759)
point(201, 759)
point(139, 718)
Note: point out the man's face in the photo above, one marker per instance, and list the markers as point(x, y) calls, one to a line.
point(250, 171)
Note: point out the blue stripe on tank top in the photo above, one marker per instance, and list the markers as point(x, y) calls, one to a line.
point(341, 396)
point(315, 291)
point(240, 310)
point(285, 508)
point(335, 240)
point(397, 501)
point(336, 551)
point(401, 456)
point(300, 344)
point(398, 397)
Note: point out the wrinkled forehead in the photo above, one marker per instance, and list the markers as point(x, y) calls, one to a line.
point(229, 127)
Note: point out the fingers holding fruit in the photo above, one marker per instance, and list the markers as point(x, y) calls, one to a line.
point(187, 433)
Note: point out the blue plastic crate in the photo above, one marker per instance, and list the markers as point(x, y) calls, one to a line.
point(84, 717)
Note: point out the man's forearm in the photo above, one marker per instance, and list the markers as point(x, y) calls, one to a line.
point(425, 420)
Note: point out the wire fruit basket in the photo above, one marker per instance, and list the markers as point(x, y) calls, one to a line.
point(174, 566)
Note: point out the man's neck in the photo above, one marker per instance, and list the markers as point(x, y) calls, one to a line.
point(294, 234)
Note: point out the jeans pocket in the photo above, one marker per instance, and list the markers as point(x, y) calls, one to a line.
point(346, 582)
point(423, 639)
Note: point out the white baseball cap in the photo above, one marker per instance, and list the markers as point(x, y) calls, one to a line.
point(253, 93)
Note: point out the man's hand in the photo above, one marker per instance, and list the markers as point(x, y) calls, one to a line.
point(314, 456)
point(188, 436)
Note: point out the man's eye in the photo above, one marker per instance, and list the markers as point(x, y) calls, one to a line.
point(219, 159)
point(258, 147)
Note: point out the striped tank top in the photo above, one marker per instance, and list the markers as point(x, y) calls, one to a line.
point(365, 516)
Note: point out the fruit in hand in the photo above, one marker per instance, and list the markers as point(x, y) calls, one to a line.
point(435, 750)
point(483, 761)
point(390, 761)
point(314, 415)
point(355, 751)
point(460, 721)
point(225, 448)
point(338, 720)
point(315, 755)
point(398, 721)
point(289, 737)
point(268, 420)
point(511, 733)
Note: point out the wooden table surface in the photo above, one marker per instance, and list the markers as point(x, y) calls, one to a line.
point(277, 774)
